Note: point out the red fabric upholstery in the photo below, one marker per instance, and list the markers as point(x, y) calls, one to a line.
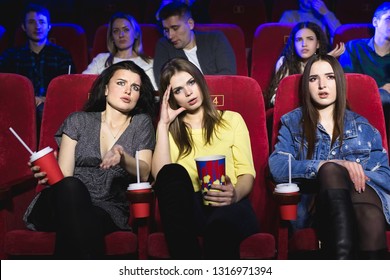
point(150, 36)
point(348, 32)
point(236, 38)
point(363, 98)
point(65, 94)
point(17, 109)
point(268, 43)
point(303, 240)
point(243, 95)
point(247, 14)
point(67, 35)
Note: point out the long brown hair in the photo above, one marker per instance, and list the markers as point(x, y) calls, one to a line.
point(310, 115)
point(212, 118)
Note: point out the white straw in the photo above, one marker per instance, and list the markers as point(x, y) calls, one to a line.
point(20, 140)
point(137, 162)
point(289, 168)
point(69, 68)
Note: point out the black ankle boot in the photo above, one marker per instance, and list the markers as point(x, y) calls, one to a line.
point(337, 225)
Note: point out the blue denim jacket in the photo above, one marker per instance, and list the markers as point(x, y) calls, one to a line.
point(362, 143)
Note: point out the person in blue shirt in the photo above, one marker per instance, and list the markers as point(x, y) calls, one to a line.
point(372, 56)
point(39, 60)
point(339, 163)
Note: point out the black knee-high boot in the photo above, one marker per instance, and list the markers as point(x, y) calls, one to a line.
point(337, 225)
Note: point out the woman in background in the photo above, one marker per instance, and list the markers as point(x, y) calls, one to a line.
point(305, 40)
point(124, 42)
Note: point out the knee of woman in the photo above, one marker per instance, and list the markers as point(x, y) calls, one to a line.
point(172, 175)
point(70, 185)
point(170, 170)
point(329, 168)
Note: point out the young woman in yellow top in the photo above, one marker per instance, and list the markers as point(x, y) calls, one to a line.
point(190, 127)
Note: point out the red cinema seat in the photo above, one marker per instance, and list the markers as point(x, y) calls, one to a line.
point(268, 43)
point(17, 111)
point(352, 31)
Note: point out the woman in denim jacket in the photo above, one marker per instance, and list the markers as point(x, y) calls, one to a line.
point(338, 159)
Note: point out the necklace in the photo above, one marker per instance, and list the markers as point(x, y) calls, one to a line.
point(120, 129)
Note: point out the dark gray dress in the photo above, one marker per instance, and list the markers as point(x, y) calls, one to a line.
point(107, 187)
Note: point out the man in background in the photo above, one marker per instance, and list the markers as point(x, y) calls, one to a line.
point(211, 52)
point(39, 60)
point(372, 56)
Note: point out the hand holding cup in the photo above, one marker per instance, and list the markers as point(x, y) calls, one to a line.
point(221, 195)
point(45, 167)
point(41, 176)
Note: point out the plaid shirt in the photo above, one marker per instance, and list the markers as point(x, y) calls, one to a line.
point(52, 61)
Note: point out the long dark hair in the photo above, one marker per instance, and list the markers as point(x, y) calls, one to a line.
point(178, 128)
point(97, 98)
point(310, 116)
point(292, 61)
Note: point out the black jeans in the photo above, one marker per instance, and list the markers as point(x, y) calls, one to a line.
point(184, 218)
point(80, 227)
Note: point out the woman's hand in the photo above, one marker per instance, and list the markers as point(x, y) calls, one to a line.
point(338, 50)
point(41, 176)
point(167, 114)
point(112, 157)
point(36, 170)
point(356, 173)
point(225, 195)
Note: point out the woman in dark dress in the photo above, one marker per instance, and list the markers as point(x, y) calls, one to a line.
point(97, 158)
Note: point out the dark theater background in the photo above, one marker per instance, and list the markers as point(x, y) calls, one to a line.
point(90, 14)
